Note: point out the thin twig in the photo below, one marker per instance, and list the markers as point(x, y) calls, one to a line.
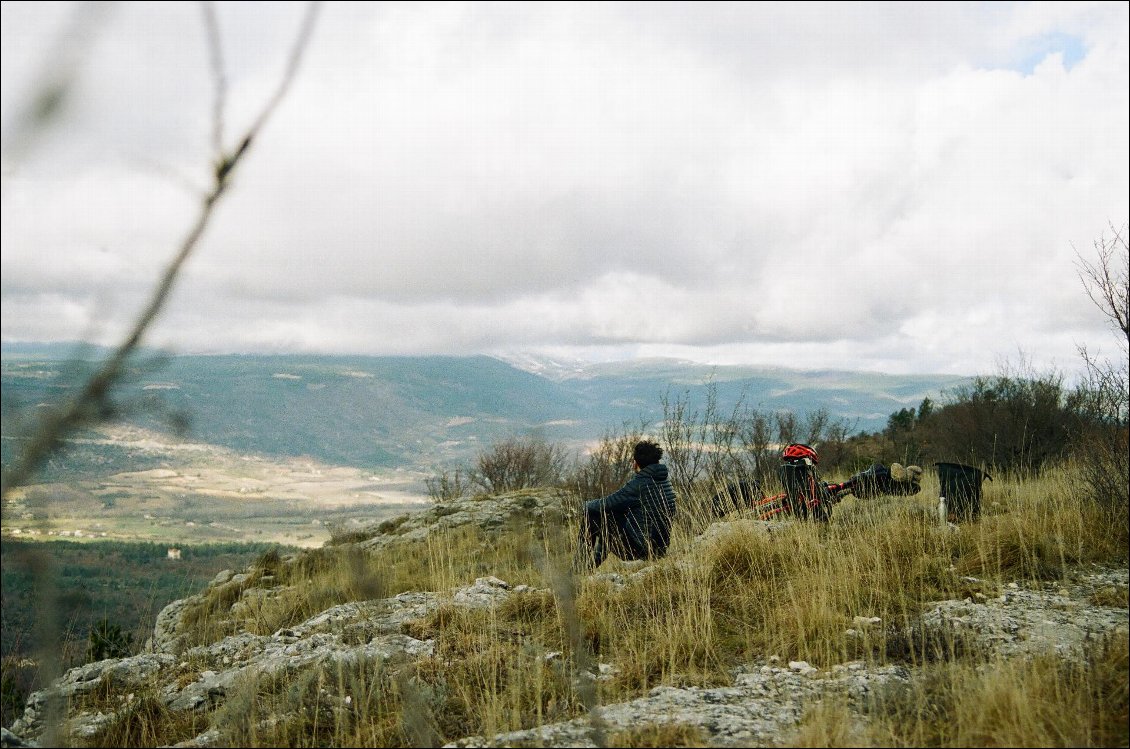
point(219, 79)
point(295, 59)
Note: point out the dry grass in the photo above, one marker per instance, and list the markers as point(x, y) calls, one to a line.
point(659, 735)
point(828, 724)
point(687, 620)
point(142, 719)
point(1042, 701)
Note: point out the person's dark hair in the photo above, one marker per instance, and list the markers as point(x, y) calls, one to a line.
point(646, 453)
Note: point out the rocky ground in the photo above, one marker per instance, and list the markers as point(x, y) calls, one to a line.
point(760, 707)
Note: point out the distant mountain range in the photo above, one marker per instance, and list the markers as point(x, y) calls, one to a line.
point(433, 411)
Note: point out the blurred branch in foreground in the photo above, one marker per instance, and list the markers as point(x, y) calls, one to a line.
point(91, 403)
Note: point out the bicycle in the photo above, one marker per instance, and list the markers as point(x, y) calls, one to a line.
point(806, 496)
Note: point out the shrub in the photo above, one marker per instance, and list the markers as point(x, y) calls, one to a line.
point(520, 463)
point(446, 486)
point(108, 641)
point(1009, 422)
point(1104, 395)
point(605, 468)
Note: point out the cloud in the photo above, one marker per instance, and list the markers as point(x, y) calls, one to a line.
point(902, 185)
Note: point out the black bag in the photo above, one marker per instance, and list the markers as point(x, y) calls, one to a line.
point(736, 496)
point(806, 495)
point(878, 480)
point(873, 482)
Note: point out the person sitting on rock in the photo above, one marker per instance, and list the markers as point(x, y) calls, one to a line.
point(634, 522)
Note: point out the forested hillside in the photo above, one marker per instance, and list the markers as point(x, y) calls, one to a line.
point(124, 585)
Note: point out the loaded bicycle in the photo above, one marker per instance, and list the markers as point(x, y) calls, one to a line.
point(806, 496)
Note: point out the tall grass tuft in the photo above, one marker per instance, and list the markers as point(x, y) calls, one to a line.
point(145, 720)
point(1041, 701)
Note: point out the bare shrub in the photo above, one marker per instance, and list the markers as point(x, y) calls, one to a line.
point(708, 447)
point(447, 486)
point(605, 469)
point(683, 435)
point(709, 451)
point(1103, 398)
point(520, 463)
point(756, 435)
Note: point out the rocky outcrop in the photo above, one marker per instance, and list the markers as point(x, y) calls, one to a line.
point(766, 701)
point(1061, 618)
point(760, 707)
point(539, 509)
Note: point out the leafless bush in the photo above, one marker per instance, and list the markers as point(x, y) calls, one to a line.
point(756, 436)
point(608, 466)
point(447, 485)
point(834, 451)
point(683, 435)
point(788, 428)
point(1103, 398)
point(709, 450)
point(520, 463)
point(704, 447)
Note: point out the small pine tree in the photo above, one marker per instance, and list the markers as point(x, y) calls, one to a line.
point(107, 641)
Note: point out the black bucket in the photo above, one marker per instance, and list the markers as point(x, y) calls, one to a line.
point(961, 486)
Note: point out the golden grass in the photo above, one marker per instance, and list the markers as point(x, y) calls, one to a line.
point(145, 720)
point(689, 618)
point(658, 735)
point(1041, 701)
point(828, 724)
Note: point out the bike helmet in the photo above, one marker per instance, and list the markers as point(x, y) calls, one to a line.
point(798, 452)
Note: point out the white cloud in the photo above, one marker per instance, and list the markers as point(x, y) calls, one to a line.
point(833, 185)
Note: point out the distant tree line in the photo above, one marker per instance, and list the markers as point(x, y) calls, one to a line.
point(1005, 423)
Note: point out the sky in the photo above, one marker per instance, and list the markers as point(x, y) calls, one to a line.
point(900, 188)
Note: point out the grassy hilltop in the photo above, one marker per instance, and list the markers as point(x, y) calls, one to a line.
point(728, 597)
point(866, 630)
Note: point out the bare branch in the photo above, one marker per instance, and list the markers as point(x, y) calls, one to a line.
point(219, 79)
point(292, 65)
point(1106, 278)
point(91, 403)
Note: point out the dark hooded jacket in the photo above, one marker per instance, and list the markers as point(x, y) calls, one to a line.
point(643, 509)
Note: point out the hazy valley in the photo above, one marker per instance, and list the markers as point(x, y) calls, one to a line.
point(285, 448)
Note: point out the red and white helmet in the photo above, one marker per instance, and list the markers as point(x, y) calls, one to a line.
point(799, 452)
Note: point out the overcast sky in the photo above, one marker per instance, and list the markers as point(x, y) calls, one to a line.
point(889, 187)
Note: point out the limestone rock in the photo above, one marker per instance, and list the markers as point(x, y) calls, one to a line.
point(760, 707)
